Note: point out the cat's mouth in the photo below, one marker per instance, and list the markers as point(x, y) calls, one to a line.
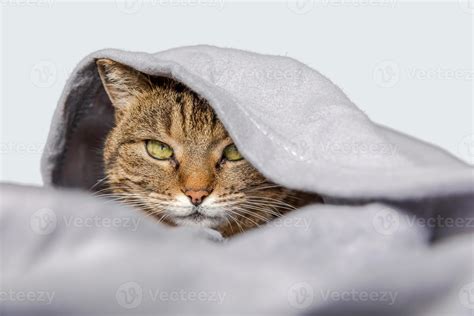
point(196, 215)
point(197, 218)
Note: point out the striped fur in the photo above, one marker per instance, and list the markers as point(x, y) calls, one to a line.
point(149, 108)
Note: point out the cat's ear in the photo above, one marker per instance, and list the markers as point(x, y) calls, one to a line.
point(121, 82)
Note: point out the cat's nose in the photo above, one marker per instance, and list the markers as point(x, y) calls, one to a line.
point(196, 196)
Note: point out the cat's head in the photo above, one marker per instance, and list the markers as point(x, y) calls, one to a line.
point(170, 155)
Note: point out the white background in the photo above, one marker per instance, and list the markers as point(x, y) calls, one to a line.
point(407, 65)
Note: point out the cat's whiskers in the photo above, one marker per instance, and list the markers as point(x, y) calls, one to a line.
point(153, 213)
point(133, 195)
point(253, 208)
point(243, 213)
point(100, 181)
point(256, 202)
point(156, 212)
point(262, 187)
point(272, 201)
point(229, 224)
point(113, 198)
point(265, 209)
point(230, 213)
point(269, 204)
point(250, 213)
point(154, 193)
point(129, 200)
point(163, 217)
point(101, 191)
point(265, 206)
point(155, 206)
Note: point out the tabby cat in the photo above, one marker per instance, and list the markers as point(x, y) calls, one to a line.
point(169, 155)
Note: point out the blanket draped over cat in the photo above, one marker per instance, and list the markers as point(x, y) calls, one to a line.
point(394, 237)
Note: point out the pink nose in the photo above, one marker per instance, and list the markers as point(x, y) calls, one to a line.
point(196, 196)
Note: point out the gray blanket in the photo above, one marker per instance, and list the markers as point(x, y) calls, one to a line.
point(395, 236)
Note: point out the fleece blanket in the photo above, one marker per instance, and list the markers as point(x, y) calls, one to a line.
point(395, 236)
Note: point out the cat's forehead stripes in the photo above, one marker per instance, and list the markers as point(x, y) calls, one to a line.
point(181, 115)
point(186, 117)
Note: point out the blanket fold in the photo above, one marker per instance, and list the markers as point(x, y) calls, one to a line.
point(395, 236)
point(292, 123)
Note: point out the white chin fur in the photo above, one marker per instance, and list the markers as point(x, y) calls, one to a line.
point(214, 216)
point(203, 223)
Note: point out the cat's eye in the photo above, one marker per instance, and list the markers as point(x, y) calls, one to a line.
point(231, 153)
point(159, 150)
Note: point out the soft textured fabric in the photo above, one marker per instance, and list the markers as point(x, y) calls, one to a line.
point(291, 122)
point(64, 245)
point(395, 236)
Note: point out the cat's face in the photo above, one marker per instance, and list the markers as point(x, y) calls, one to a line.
point(171, 156)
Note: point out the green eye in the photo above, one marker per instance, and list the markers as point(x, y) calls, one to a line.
point(231, 153)
point(158, 150)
